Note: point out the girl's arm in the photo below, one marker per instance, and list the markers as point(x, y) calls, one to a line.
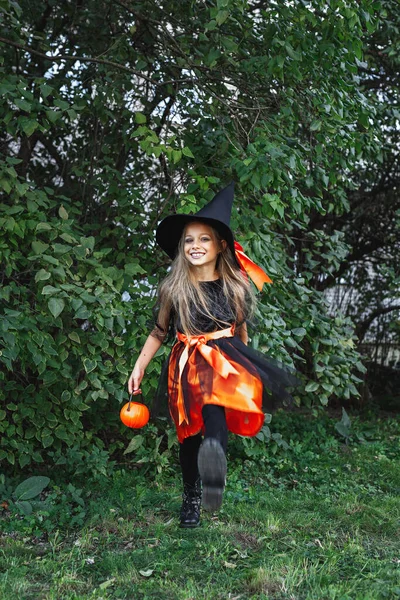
point(152, 344)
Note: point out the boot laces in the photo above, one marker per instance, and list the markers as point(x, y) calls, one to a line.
point(191, 498)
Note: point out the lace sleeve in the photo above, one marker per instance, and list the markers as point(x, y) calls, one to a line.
point(158, 332)
point(162, 318)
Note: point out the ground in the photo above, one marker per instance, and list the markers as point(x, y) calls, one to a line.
point(319, 520)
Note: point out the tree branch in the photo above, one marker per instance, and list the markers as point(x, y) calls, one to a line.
point(88, 59)
point(362, 327)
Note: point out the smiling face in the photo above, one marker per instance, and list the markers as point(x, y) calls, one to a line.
point(201, 246)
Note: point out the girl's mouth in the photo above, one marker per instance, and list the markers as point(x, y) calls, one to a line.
point(197, 254)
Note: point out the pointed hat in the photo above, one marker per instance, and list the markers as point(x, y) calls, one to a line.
point(216, 213)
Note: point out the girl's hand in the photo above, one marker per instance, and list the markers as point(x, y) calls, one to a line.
point(148, 351)
point(135, 379)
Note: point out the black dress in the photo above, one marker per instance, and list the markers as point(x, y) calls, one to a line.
point(218, 368)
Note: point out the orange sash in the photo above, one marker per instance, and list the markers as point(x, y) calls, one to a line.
point(235, 385)
point(215, 359)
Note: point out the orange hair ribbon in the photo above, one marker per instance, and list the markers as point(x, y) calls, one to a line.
point(258, 276)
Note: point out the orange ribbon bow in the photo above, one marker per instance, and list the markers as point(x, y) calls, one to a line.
point(253, 271)
point(214, 358)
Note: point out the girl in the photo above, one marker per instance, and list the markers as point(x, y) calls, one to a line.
point(215, 382)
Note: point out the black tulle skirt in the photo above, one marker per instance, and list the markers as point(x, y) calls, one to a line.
point(256, 384)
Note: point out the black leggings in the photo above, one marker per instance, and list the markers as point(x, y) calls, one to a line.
point(215, 427)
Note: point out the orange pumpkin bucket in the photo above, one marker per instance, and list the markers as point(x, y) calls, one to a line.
point(135, 414)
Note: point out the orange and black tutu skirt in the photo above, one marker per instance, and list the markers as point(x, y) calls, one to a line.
point(218, 368)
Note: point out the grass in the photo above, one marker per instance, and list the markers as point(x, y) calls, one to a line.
point(320, 521)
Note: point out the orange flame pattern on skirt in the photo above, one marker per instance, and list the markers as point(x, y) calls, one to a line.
point(233, 386)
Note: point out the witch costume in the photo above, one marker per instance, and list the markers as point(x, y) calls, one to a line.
point(215, 383)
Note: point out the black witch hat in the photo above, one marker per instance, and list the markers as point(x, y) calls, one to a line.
point(216, 213)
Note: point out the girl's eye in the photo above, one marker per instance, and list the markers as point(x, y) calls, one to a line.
point(188, 240)
point(205, 239)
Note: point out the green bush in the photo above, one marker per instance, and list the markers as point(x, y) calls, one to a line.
point(97, 152)
point(31, 509)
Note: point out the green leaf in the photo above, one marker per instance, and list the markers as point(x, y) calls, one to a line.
point(292, 53)
point(68, 238)
point(187, 152)
point(146, 572)
point(342, 429)
point(23, 460)
point(72, 114)
point(50, 259)
point(74, 336)
point(345, 419)
point(290, 342)
point(25, 507)
point(62, 212)
point(82, 313)
point(53, 115)
point(42, 275)
point(313, 386)
point(61, 248)
point(31, 487)
point(211, 25)
point(108, 583)
point(299, 331)
point(46, 90)
point(134, 269)
point(222, 17)
point(315, 126)
point(140, 118)
point(43, 227)
point(5, 185)
point(15, 7)
point(48, 290)
point(56, 306)
point(364, 120)
point(176, 155)
point(89, 365)
point(47, 441)
point(140, 131)
point(39, 247)
point(328, 387)
point(280, 60)
point(134, 444)
point(229, 44)
point(88, 242)
point(29, 126)
point(61, 433)
point(23, 105)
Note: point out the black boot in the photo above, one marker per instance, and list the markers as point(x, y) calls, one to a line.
point(212, 469)
point(190, 509)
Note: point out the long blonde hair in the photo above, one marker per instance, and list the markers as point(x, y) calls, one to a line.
point(181, 291)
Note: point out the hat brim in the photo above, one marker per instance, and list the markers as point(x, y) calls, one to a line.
point(170, 230)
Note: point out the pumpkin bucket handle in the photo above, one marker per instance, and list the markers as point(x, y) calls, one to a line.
point(135, 393)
